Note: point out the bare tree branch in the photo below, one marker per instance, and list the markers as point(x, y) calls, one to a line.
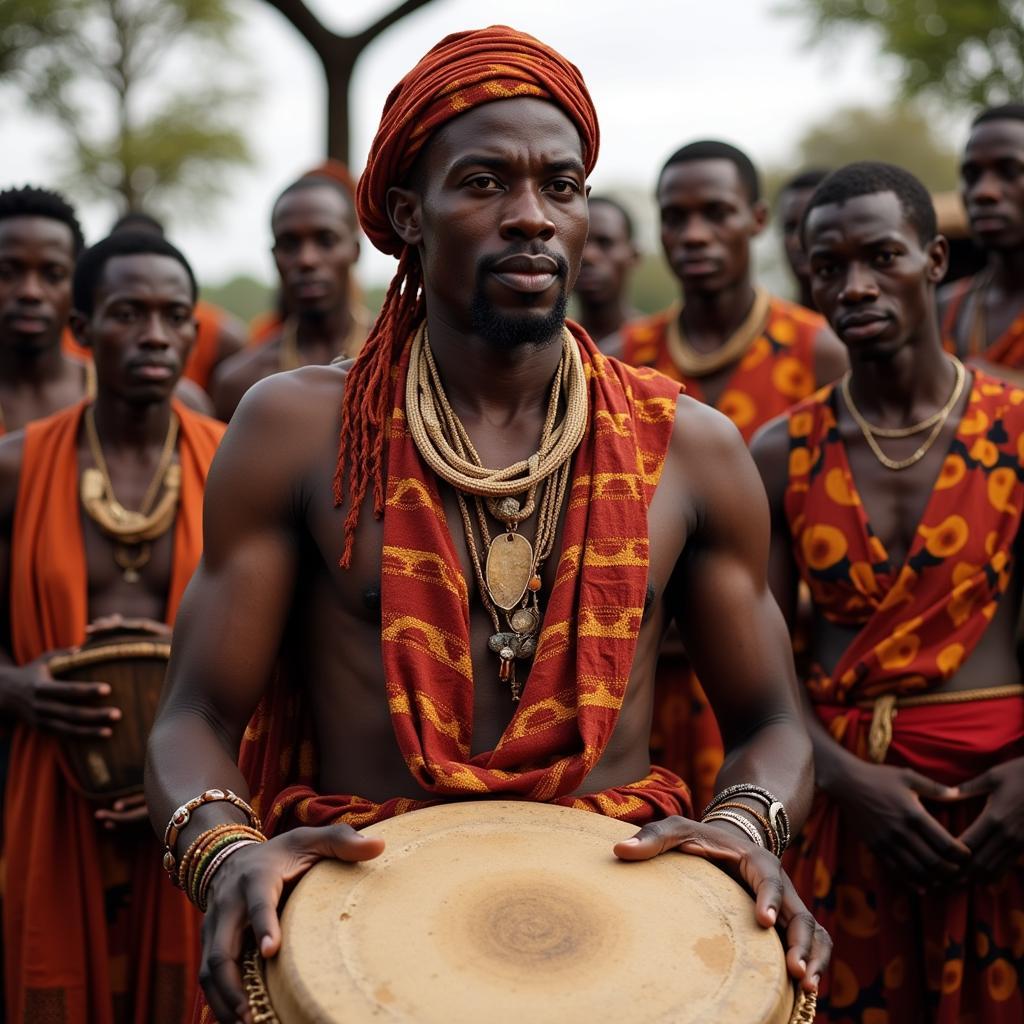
point(308, 25)
point(367, 36)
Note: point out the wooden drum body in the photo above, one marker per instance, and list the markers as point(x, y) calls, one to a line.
point(512, 912)
point(134, 665)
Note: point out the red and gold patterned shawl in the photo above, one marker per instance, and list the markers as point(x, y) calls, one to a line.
point(920, 621)
point(776, 371)
point(573, 695)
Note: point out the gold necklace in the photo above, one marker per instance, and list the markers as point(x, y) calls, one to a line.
point(936, 421)
point(131, 529)
point(693, 363)
point(510, 581)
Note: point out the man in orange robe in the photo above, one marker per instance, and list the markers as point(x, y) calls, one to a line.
point(477, 182)
point(316, 245)
point(983, 315)
point(749, 354)
point(93, 931)
point(897, 498)
point(40, 239)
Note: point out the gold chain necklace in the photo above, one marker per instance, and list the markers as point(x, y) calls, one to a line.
point(936, 421)
point(510, 581)
point(131, 530)
point(693, 363)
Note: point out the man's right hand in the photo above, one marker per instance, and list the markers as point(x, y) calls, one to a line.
point(245, 893)
point(883, 806)
point(32, 695)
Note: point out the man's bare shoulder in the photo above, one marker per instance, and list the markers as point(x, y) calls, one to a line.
point(702, 432)
point(247, 366)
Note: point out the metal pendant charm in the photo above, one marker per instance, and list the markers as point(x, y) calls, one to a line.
point(509, 569)
point(524, 620)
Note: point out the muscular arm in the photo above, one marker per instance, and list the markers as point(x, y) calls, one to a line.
point(830, 358)
point(729, 620)
point(231, 618)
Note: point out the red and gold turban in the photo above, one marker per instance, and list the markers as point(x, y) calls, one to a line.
point(463, 71)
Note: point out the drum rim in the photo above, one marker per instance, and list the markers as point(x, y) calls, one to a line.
point(156, 649)
point(805, 1005)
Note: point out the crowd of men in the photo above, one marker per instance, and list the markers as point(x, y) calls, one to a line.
point(881, 407)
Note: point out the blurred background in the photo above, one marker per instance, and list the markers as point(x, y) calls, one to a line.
point(201, 111)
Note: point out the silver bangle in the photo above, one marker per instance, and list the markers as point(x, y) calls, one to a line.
point(777, 816)
point(737, 819)
point(211, 869)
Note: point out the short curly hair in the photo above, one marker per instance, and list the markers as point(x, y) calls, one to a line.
point(30, 201)
point(866, 177)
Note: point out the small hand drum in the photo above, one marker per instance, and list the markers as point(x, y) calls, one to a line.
point(134, 665)
point(511, 912)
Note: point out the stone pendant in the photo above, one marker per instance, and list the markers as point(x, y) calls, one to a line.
point(509, 569)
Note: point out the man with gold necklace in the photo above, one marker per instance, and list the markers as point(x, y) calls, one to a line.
point(101, 508)
point(896, 497)
point(733, 345)
point(410, 625)
point(316, 245)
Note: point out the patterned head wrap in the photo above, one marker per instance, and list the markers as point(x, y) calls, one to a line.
point(463, 71)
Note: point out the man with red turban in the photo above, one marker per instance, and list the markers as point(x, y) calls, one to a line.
point(343, 630)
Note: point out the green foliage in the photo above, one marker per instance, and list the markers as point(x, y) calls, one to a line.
point(901, 134)
point(244, 296)
point(136, 127)
point(968, 52)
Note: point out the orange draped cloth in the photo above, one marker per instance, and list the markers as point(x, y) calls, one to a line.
point(776, 371)
point(577, 683)
point(201, 360)
point(77, 950)
point(951, 955)
point(1006, 350)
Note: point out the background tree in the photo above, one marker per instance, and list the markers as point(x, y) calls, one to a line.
point(902, 134)
point(338, 55)
point(969, 52)
point(104, 72)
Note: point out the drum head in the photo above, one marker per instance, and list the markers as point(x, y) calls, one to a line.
point(519, 912)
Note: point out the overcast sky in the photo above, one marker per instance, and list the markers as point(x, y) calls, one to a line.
point(662, 72)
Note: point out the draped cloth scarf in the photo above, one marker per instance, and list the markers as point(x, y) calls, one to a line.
point(776, 371)
point(59, 963)
point(953, 954)
point(578, 679)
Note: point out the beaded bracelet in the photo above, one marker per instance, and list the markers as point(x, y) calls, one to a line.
point(180, 818)
point(737, 819)
point(776, 809)
point(766, 826)
point(204, 886)
point(179, 876)
point(213, 841)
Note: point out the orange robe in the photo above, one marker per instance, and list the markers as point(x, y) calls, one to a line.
point(1007, 350)
point(952, 955)
point(201, 360)
point(76, 950)
point(777, 370)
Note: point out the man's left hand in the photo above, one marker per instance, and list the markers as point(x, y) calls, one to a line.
point(996, 836)
point(808, 946)
point(129, 810)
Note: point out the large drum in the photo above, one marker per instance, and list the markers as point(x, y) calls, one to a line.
point(519, 913)
point(134, 665)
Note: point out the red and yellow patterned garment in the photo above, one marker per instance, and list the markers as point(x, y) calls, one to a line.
point(950, 956)
point(576, 686)
point(1007, 350)
point(776, 372)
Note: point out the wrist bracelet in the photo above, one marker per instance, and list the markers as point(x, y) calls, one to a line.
point(215, 864)
point(180, 818)
point(737, 819)
point(770, 835)
point(777, 816)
